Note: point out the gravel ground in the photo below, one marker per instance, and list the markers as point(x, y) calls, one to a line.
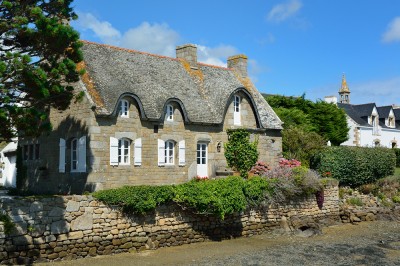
point(368, 243)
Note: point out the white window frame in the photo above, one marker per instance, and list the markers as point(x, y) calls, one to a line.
point(74, 151)
point(169, 152)
point(170, 112)
point(124, 108)
point(236, 110)
point(124, 151)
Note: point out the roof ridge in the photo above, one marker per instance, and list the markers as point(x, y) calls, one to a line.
point(149, 54)
point(129, 50)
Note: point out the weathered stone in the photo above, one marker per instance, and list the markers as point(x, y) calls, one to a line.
point(75, 235)
point(83, 222)
point(72, 206)
point(57, 212)
point(22, 240)
point(60, 227)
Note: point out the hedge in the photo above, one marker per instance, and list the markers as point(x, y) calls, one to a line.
point(354, 166)
point(218, 197)
point(397, 152)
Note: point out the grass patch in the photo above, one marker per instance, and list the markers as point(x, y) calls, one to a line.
point(397, 171)
point(355, 201)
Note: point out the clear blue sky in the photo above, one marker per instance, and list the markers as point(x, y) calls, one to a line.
point(293, 46)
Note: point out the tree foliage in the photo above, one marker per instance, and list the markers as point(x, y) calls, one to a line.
point(240, 153)
point(325, 119)
point(38, 51)
point(301, 145)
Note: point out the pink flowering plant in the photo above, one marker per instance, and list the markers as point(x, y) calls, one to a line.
point(289, 163)
point(201, 178)
point(259, 168)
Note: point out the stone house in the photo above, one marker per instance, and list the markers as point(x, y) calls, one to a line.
point(370, 125)
point(148, 119)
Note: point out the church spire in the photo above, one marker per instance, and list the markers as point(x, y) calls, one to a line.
point(344, 91)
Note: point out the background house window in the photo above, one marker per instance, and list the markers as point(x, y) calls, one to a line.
point(31, 152)
point(170, 113)
point(124, 108)
point(123, 151)
point(236, 110)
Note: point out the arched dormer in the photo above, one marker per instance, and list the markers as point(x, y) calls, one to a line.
point(175, 103)
point(131, 99)
point(235, 101)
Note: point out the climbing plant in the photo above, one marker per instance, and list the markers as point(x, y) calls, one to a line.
point(240, 153)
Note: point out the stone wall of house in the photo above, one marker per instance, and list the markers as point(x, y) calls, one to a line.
point(70, 227)
point(79, 120)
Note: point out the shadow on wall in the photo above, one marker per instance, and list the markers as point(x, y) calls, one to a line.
point(65, 162)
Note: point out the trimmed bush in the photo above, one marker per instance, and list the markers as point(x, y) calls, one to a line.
point(136, 199)
point(355, 166)
point(212, 197)
point(397, 152)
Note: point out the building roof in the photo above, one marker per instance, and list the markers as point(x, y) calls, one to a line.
point(154, 81)
point(354, 114)
point(384, 111)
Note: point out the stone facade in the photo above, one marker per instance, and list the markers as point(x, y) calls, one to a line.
point(203, 111)
point(70, 227)
point(79, 120)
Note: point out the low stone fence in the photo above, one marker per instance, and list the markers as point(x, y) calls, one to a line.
point(371, 208)
point(70, 227)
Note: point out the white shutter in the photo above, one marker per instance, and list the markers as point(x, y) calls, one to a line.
point(113, 151)
point(138, 152)
point(161, 152)
point(182, 152)
point(82, 155)
point(61, 164)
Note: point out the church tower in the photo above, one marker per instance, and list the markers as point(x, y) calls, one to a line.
point(344, 91)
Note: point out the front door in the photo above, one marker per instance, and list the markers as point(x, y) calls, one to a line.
point(202, 159)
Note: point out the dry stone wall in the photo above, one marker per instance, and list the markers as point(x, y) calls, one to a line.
point(71, 227)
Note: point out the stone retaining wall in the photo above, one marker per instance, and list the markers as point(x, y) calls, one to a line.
point(70, 227)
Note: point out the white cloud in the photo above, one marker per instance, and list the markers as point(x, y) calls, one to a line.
point(103, 29)
point(284, 11)
point(155, 38)
point(215, 56)
point(383, 92)
point(392, 33)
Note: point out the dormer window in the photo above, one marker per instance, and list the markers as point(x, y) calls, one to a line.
point(236, 110)
point(124, 108)
point(391, 122)
point(170, 113)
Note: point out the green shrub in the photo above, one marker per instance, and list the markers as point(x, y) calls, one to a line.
point(240, 153)
point(355, 201)
point(345, 191)
point(287, 182)
point(397, 152)
point(8, 224)
point(256, 190)
point(396, 199)
point(136, 199)
point(212, 197)
point(355, 166)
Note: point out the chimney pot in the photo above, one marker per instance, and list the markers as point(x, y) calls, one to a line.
point(187, 52)
point(239, 64)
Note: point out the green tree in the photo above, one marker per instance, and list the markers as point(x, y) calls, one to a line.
point(301, 145)
point(38, 51)
point(240, 153)
point(330, 122)
point(325, 119)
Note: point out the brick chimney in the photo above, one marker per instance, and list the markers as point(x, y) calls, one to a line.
point(188, 52)
point(239, 64)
